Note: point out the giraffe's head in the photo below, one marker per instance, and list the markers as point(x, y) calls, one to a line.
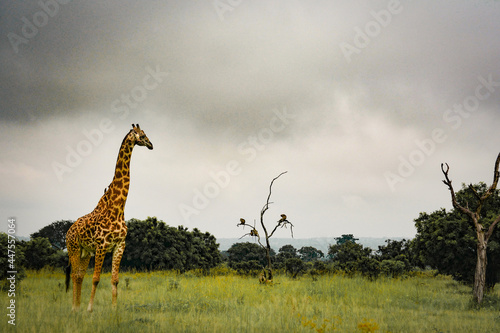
point(140, 137)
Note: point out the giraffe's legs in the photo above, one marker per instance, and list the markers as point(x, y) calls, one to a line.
point(117, 257)
point(79, 266)
point(99, 259)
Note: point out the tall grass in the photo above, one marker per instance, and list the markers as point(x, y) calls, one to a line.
point(169, 302)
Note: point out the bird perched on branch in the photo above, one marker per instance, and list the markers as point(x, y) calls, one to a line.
point(242, 221)
point(283, 219)
point(254, 232)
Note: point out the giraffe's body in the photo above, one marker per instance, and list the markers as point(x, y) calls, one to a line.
point(104, 229)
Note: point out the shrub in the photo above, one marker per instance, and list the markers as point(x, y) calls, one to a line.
point(5, 261)
point(392, 268)
point(294, 266)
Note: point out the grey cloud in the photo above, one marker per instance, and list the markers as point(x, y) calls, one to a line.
point(353, 120)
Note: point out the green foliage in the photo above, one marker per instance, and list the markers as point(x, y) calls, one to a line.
point(55, 233)
point(309, 253)
point(250, 267)
point(348, 256)
point(38, 253)
point(447, 241)
point(345, 238)
point(395, 257)
point(46, 246)
point(242, 252)
point(393, 268)
point(394, 249)
point(59, 259)
point(319, 266)
point(390, 260)
point(151, 244)
point(316, 268)
point(295, 266)
point(285, 252)
point(369, 267)
point(14, 257)
point(305, 254)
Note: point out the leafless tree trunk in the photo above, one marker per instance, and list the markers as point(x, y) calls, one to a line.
point(283, 222)
point(483, 234)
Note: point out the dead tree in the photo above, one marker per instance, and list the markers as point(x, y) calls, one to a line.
point(267, 275)
point(483, 232)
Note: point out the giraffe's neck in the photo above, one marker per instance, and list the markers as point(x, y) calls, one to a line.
point(121, 180)
point(115, 196)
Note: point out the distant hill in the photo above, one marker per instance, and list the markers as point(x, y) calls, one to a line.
point(321, 243)
point(23, 238)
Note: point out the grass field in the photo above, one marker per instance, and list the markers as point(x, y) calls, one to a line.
point(168, 302)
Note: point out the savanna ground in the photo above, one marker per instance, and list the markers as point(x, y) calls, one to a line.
point(171, 302)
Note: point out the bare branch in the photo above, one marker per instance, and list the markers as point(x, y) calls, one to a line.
point(491, 228)
point(266, 206)
point(490, 190)
point(281, 226)
point(478, 197)
point(447, 182)
point(253, 232)
point(244, 235)
point(496, 176)
point(283, 222)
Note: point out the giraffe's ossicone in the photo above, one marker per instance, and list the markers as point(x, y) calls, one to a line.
point(104, 229)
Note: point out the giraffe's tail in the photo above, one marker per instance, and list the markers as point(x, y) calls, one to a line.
point(68, 272)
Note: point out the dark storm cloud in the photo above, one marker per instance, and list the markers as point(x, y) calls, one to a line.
point(233, 72)
point(206, 81)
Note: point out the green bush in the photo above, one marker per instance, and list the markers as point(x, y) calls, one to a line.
point(15, 257)
point(392, 268)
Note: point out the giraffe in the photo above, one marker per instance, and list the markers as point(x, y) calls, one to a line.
point(104, 229)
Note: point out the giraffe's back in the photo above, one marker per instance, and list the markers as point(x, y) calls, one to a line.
point(93, 229)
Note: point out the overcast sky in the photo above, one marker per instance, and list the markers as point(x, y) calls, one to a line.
point(360, 101)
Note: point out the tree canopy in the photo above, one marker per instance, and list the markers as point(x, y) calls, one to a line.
point(55, 233)
point(151, 244)
point(309, 253)
point(243, 252)
point(345, 238)
point(446, 240)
